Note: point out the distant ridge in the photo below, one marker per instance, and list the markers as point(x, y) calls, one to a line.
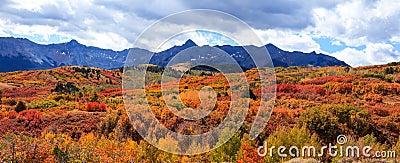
point(23, 54)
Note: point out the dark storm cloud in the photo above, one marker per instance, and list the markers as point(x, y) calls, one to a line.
point(291, 14)
point(148, 9)
point(50, 15)
point(258, 14)
point(5, 3)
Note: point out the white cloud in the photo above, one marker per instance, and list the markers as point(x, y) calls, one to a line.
point(395, 39)
point(181, 38)
point(336, 43)
point(290, 40)
point(31, 5)
point(351, 56)
point(111, 40)
point(374, 53)
point(359, 22)
point(34, 30)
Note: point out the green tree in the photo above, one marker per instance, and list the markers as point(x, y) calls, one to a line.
point(95, 98)
point(321, 122)
point(389, 70)
point(226, 152)
point(20, 107)
point(69, 87)
point(328, 121)
point(60, 155)
point(291, 137)
point(353, 120)
point(347, 69)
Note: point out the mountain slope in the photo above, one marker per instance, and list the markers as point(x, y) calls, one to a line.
point(23, 54)
point(285, 58)
point(279, 57)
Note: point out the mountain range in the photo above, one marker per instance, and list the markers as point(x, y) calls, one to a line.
point(23, 54)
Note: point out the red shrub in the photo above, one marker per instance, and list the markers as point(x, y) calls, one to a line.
point(112, 92)
point(326, 79)
point(209, 80)
point(102, 106)
point(286, 88)
point(345, 88)
point(12, 114)
point(312, 89)
point(379, 111)
point(20, 92)
point(96, 107)
point(31, 116)
point(2, 115)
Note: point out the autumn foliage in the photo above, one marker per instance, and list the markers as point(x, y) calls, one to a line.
point(77, 114)
point(96, 107)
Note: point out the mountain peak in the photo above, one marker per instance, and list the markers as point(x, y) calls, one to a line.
point(73, 41)
point(189, 43)
point(269, 45)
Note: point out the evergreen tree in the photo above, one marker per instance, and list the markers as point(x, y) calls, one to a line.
point(20, 107)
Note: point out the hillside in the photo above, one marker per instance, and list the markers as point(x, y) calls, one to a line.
point(81, 108)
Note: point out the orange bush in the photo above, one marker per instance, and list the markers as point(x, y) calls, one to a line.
point(376, 98)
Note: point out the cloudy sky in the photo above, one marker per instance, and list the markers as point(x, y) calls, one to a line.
point(359, 32)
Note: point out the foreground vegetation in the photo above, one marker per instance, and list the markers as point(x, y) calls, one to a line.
point(76, 114)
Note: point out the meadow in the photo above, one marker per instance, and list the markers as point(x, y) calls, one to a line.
point(77, 114)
